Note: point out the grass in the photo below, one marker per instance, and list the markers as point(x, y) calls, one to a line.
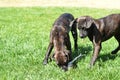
point(24, 37)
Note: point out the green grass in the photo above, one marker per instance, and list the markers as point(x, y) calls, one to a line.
point(24, 37)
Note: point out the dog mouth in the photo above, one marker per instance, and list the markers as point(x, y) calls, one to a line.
point(83, 33)
point(63, 67)
point(83, 36)
point(70, 64)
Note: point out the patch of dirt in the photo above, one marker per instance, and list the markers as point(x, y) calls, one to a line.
point(111, 4)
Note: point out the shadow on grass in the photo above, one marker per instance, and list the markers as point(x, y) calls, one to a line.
point(106, 57)
point(87, 50)
point(81, 50)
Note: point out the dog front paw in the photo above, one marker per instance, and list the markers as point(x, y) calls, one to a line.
point(45, 62)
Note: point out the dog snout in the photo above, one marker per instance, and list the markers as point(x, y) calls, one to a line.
point(81, 36)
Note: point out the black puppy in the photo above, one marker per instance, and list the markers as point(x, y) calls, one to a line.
point(99, 30)
point(59, 39)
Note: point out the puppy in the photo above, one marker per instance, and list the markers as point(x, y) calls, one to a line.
point(60, 40)
point(99, 30)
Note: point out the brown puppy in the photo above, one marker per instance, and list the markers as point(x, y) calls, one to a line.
point(99, 30)
point(59, 38)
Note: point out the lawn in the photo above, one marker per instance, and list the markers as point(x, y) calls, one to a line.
point(24, 37)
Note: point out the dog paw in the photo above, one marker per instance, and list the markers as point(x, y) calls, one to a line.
point(45, 62)
point(90, 66)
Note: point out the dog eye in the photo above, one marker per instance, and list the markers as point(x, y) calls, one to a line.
point(65, 55)
point(82, 27)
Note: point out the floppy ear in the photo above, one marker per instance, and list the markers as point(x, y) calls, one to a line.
point(73, 22)
point(89, 22)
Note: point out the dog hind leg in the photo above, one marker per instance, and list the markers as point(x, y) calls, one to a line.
point(68, 45)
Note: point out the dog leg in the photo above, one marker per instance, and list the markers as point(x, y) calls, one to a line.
point(117, 37)
point(74, 34)
point(97, 48)
point(50, 47)
point(68, 45)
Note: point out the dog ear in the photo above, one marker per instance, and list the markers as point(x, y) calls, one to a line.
point(73, 22)
point(89, 22)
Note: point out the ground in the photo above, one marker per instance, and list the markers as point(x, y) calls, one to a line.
point(111, 4)
point(24, 38)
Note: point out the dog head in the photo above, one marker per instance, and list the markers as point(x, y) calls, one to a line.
point(62, 58)
point(83, 24)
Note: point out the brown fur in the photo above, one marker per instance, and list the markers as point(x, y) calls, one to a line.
point(59, 39)
point(99, 30)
